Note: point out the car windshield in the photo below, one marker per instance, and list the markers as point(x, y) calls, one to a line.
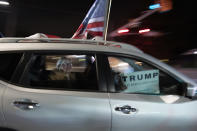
point(184, 61)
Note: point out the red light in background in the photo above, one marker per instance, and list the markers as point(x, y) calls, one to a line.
point(144, 31)
point(52, 36)
point(119, 46)
point(121, 31)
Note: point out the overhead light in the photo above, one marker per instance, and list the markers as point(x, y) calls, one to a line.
point(4, 3)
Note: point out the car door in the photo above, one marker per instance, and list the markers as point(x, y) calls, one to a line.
point(58, 92)
point(1, 112)
point(145, 98)
point(8, 64)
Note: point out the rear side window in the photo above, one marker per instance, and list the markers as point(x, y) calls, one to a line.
point(8, 64)
point(61, 72)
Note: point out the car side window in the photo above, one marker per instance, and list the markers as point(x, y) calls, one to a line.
point(8, 64)
point(134, 76)
point(61, 72)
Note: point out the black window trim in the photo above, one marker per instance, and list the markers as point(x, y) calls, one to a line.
point(104, 54)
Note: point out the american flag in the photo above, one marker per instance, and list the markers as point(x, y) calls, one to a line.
point(93, 24)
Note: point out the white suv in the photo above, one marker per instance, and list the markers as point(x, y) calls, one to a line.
point(77, 85)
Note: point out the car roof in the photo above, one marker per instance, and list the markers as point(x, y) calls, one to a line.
point(65, 44)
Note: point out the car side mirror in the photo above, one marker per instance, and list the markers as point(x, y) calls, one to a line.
point(192, 91)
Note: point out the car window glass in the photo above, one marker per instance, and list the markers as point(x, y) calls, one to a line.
point(66, 72)
point(8, 64)
point(133, 76)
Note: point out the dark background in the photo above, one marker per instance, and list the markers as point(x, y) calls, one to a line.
point(62, 18)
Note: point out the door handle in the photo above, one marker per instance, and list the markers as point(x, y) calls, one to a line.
point(126, 109)
point(26, 104)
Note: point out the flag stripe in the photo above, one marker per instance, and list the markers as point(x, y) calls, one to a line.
point(78, 36)
point(99, 19)
point(95, 24)
point(96, 33)
point(98, 29)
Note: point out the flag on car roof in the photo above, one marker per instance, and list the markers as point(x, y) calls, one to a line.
point(93, 24)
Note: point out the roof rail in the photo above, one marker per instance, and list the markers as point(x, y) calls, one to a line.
point(71, 41)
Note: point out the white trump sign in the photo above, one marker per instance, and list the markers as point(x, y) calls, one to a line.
point(141, 82)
